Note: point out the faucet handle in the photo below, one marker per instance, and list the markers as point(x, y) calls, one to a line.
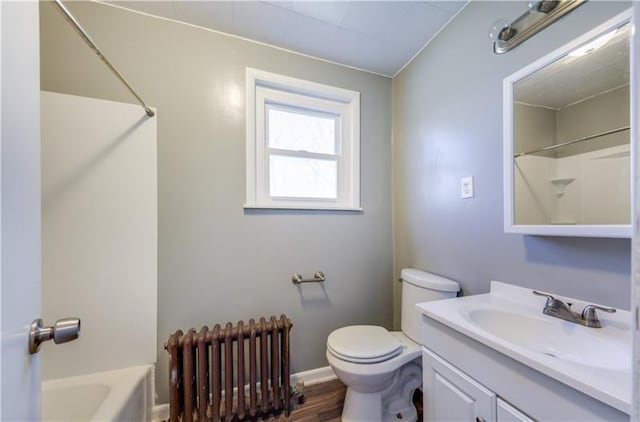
point(591, 318)
point(589, 311)
point(549, 297)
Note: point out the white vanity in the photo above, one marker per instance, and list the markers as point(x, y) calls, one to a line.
point(497, 357)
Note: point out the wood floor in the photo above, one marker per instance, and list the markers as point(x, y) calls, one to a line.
point(323, 403)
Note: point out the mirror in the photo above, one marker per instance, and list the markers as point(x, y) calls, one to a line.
point(567, 132)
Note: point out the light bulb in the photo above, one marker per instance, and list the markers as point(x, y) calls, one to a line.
point(544, 6)
point(501, 30)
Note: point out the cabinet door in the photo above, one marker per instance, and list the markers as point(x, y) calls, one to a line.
point(508, 413)
point(451, 395)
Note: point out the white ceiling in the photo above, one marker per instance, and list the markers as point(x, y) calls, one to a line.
point(572, 79)
point(377, 36)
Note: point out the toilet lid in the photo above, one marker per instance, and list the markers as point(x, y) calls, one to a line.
point(363, 344)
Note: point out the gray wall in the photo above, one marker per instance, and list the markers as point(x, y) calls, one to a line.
point(447, 123)
point(217, 262)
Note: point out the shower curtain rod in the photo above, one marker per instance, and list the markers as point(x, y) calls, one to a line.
point(575, 141)
point(106, 61)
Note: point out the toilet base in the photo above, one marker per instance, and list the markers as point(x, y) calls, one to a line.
point(391, 405)
point(407, 414)
point(367, 407)
point(361, 407)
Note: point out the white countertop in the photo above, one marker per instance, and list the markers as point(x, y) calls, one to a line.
point(609, 383)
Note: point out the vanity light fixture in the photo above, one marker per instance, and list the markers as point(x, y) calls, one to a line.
point(507, 35)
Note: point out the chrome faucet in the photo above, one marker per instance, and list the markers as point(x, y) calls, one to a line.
point(558, 309)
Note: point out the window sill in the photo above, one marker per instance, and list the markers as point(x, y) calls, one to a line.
point(301, 207)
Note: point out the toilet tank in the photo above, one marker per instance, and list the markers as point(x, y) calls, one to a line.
point(420, 286)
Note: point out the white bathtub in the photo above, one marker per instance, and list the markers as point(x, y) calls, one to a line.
point(120, 395)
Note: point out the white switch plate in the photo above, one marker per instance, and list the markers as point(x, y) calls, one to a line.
point(466, 187)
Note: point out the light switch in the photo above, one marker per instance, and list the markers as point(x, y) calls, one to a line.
point(466, 187)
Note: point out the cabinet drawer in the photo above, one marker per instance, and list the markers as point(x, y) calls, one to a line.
point(508, 413)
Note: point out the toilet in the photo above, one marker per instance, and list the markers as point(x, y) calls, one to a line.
point(382, 369)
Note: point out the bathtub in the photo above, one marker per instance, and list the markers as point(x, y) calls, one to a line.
point(120, 395)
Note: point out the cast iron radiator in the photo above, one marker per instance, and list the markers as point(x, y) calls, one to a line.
point(198, 363)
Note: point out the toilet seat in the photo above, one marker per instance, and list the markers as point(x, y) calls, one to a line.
point(363, 344)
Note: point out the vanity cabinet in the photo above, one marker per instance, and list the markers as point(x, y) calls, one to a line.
point(465, 380)
point(508, 413)
point(451, 395)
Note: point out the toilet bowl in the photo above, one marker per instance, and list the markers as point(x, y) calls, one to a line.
point(381, 368)
point(371, 385)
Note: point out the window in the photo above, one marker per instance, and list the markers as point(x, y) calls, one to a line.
point(303, 144)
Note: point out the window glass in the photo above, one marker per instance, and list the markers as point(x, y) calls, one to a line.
point(297, 177)
point(297, 130)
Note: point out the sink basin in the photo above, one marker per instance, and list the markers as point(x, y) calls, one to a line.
point(509, 319)
point(595, 347)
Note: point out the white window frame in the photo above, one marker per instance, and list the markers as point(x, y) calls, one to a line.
point(265, 89)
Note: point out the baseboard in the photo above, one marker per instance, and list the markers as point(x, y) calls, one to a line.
point(314, 376)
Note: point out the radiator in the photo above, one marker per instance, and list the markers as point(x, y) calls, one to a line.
point(198, 363)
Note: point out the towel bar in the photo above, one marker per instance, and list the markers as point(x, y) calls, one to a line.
point(318, 277)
